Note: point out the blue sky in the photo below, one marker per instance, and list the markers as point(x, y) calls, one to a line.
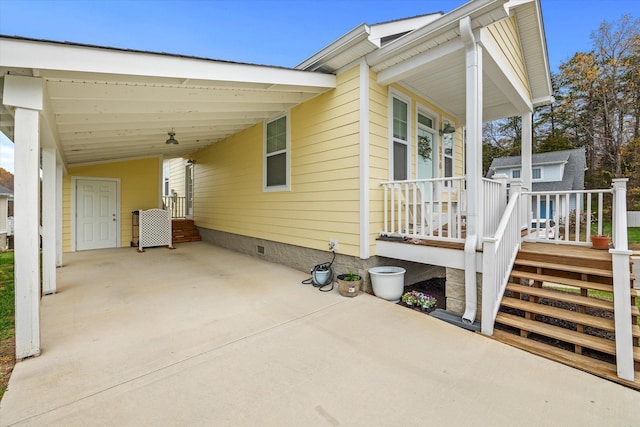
point(270, 32)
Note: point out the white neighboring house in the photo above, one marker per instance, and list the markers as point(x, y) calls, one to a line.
point(6, 216)
point(550, 172)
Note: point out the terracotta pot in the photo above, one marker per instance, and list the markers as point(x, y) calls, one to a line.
point(600, 242)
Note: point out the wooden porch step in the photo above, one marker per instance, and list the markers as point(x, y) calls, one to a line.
point(561, 296)
point(184, 230)
point(520, 274)
point(584, 363)
point(602, 345)
point(568, 315)
point(545, 265)
point(560, 313)
point(570, 255)
point(187, 239)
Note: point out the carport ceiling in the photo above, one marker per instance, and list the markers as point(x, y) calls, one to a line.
point(108, 104)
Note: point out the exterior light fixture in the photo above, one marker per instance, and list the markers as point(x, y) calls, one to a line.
point(171, 139)
point(447, 129)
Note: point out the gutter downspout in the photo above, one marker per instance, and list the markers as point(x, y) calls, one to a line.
point(473, 63)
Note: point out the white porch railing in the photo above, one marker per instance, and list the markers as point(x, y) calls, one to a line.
point(499, 253)
point(176, 205)
point(495, 202)
point(568, 217)
point(425, 208)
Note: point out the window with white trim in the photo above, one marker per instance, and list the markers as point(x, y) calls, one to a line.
point(515, 173)
point(276, 155)
point(536, 174)
point(447, 154)
point(400, 139)
point(165, 179)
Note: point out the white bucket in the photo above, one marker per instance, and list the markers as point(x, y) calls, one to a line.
point(388, 282)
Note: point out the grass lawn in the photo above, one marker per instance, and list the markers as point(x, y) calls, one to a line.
point(7, 322)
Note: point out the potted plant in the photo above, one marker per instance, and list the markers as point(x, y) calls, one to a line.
point(420, 300)
point(600, 241)
point(426, 302)
point(349, 284)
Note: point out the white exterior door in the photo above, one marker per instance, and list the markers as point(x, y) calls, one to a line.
point(426, 166)
point(96, 214)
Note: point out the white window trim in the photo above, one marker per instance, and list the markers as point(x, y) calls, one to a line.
point(519, 173)
point(166, 185)
point(421, 109)
point(287, 150)
point(402, 97)
point(453, 151)
point(541, 174)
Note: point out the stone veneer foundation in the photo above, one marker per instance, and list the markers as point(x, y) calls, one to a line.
point(455, 294)
point(303, 259)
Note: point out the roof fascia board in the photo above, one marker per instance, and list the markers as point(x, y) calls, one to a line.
point(48, 55)
point(353, 37)
point(447, 22)
point(510, 7)
point(398, 26)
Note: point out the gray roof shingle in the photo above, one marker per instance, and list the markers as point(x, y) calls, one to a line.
point(572, 179)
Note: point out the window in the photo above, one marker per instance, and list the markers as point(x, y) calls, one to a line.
point(536, 173)
point(276, 162)
point(165, 179)
point(515, 173)
point(447, 154)
point(400, 139)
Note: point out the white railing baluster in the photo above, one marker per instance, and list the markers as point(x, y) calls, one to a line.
point(420, 208)
point(572, 225)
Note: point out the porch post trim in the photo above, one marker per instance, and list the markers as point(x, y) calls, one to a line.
point(526, 146)
point(49, 220)
point(364, 161)
point(59, 218)
point(25, 96)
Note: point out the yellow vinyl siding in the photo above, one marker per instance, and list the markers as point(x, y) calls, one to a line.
point(176, 176)
point(323, 202)
point(378, 156)
point(505, 34)
point(139, 189)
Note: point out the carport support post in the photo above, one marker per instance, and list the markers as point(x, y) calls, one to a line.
point(25, 94)
point(49, 220)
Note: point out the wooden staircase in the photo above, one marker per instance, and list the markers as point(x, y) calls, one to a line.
point(184, 230)
point(550, 309)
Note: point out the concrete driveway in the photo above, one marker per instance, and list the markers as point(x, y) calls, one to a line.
point(204, 336)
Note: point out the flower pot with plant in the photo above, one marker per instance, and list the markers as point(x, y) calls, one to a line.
point(349, 284)
point(599, 241)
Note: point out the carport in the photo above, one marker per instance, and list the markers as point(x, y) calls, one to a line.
point(204, 336)
point(66, 104)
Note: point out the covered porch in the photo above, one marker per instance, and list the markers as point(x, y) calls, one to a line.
point(242, 341)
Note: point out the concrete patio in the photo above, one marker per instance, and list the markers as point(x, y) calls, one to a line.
point(204, 336)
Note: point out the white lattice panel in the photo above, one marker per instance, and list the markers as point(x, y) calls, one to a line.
point(155, 228)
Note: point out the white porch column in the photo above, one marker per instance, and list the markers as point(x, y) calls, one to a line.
point(527, 132)
point(59, 189)
point(49, 220)
point(26, 94)
point(474, 102)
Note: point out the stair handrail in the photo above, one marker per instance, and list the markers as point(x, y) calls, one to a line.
point(499, 254)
